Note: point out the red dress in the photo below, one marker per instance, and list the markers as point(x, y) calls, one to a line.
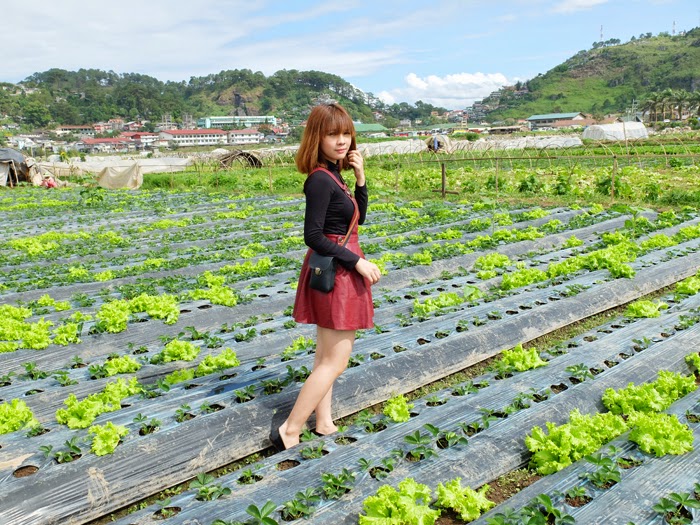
point(349, 305)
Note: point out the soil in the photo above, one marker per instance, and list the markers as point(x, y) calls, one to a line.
point(165, 513)
point(287, 464)
point(510, 484)
point(27, 470)
point(448, 517)
point(578, 501)
point(693, 418)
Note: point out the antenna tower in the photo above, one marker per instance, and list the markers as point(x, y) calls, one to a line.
point(601, 33)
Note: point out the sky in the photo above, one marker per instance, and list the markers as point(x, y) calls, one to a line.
point(448, 53)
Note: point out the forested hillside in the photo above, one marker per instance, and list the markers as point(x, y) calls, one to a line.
point(91, 95)
point(608, 77)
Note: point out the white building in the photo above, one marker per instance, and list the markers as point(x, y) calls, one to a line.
point(145, 139)
point(230, 121)
point(245, 136)
point(194, 137)
point(83, 132)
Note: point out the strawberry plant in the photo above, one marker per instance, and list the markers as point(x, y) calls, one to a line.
point(301, 506)
point(365, 420)
point(676, 508)
point(336, 485)
point(422, 449)
point(542, 510)
point(183, 413)
point(245, 394)
point(206, 489)
point(579, 373)
point(607, 473)
point(63, 379)
point(312, 452)
point(71, 453)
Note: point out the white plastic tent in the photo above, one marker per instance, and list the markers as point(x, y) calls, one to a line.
point(114, 178)
point(616, 131)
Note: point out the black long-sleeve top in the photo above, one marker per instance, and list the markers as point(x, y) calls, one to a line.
point(330, 210)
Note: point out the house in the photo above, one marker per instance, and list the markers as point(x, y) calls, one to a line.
point(144, 139)
point(505, 130)
point(106, 145)
point(86, 131)
point(194, 137)
point(245, 136)
point(548, 120)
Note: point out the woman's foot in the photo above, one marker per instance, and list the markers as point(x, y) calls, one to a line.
point(325, 429)
point(288, 440)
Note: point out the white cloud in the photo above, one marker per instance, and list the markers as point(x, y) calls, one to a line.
point(571, 6)
point(454, 91)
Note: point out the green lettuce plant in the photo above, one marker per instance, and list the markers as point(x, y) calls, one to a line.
point(468, 503)
point(106, 437)
point(408, 504)
point(398, 409)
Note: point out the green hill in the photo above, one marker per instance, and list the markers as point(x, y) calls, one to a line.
point(85, 96)
point(608, 77)
point(605, 79)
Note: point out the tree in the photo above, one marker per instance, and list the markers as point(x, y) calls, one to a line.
point(36, 114)
point(652, 104)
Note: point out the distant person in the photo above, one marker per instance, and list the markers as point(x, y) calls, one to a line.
point(329, 144)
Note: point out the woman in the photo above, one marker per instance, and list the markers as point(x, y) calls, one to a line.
point(329, 142)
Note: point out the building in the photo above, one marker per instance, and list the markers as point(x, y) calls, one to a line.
point(194, 137)
point(245, 136)
point(369, 128)
point(550, 119)
point(142, 139)
point(106, 145)
point(86, 131)
point(231, 121)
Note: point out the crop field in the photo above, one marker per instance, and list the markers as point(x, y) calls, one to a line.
point(147, 348)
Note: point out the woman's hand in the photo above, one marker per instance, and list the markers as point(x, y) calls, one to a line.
point(368, 270)
point(357, 164)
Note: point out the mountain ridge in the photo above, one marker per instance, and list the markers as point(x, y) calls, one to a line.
point(608, 78)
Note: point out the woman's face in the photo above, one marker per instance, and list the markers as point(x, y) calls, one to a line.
point(335, 145)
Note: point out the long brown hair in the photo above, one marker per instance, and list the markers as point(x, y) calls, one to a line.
point(323, 120)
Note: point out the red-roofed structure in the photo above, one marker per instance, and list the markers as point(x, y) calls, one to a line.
point(106, 145)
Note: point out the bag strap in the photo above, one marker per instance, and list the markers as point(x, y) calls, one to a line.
point(356, 211)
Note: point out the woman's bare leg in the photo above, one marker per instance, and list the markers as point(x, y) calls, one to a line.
point(333, 348)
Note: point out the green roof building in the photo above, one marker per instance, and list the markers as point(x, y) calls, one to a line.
point(542, 121)
point(370, 128)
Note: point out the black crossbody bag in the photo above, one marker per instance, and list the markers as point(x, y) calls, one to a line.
point(322, 275)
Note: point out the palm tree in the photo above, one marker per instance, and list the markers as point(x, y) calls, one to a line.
point(682, 98)
point(651, 105)
point(667, 100)
point(694, 103)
